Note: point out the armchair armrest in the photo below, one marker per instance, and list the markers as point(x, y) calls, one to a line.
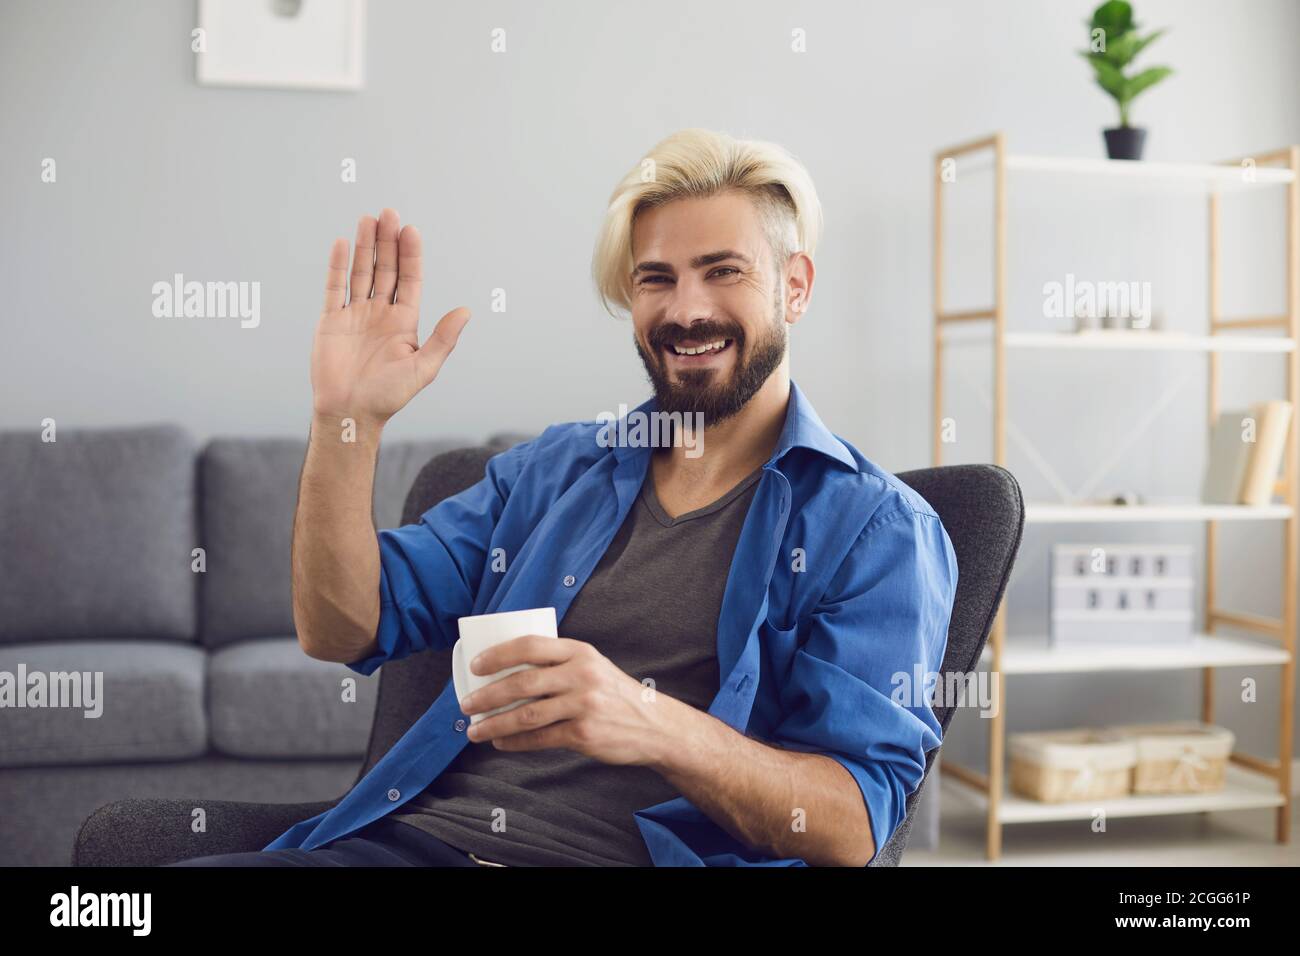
point(155, 832)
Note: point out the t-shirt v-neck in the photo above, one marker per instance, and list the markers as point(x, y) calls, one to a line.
point(651, 500)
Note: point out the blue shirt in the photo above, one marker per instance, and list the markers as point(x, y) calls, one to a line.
point(838, 598)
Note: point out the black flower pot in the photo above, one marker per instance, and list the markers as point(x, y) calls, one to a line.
point(1125, 142)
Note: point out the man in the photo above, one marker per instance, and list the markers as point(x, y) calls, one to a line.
point(732, 622)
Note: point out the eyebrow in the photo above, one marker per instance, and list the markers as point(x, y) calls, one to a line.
point(708, 259)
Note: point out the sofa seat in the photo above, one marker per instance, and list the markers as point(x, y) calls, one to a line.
point(267, 699)
point(149, 696)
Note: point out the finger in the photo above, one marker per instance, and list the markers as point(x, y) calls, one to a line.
point(363, 262)
point(555, 736)
point(525, 649)
point(518, 650)
point(501, 655)
point(542, 681)
point(544, 712)
point(409, 275)
point(386, 256)
point(439, 344)
point(336, 281)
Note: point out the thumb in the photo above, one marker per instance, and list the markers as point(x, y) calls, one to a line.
point(430, 356)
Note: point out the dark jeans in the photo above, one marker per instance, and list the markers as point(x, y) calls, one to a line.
point(384, 842)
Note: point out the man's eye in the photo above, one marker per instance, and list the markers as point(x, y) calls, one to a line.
point(652, 278)
point(725, 269)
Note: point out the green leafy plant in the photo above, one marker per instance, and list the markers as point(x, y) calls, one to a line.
point(1114, 42)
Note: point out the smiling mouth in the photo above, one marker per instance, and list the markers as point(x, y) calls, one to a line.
point(691, 349)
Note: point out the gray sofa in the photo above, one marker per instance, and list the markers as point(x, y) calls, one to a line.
point(204, 687)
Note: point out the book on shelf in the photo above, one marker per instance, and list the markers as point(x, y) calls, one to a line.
point(1245, 457)
point(1273, 418)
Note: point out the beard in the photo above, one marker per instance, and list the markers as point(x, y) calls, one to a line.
point(697, 390)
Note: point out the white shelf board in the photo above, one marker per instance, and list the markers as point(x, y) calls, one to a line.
point(1215, 176)
point(1243, 789)
point(1206, 173)
point(1052, 513)
point(1148, 340)
point(1034, 655)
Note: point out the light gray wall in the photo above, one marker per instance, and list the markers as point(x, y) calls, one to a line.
point(505, 161)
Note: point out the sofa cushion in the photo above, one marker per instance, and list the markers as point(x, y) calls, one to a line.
point(148, 696)
point(249, 491)
point(98, 528)
point(266, 698)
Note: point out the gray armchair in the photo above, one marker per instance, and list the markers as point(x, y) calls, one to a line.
point(980, 506)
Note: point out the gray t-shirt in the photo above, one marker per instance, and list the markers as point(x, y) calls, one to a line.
point(651, 606)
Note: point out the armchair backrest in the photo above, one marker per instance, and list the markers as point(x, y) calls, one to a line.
point(984, 514)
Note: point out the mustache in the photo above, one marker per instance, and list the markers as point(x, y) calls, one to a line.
point(665, 335)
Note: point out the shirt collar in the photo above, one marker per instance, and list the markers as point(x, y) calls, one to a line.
point(802, 429)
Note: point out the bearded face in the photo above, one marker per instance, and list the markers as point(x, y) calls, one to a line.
point(712, 367)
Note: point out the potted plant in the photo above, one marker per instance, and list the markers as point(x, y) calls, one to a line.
point(1114, 41)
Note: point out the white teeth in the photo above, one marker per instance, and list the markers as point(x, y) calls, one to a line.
point(712, 346)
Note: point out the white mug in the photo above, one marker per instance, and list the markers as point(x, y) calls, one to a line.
point(478, 632)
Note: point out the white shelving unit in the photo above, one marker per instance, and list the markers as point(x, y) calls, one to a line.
point(1253, 781)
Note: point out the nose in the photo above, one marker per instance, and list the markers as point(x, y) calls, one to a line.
point(689, 303)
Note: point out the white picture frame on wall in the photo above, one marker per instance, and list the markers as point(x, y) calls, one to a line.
point(281, 44)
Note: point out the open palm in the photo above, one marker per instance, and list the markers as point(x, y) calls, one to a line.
point(367, 361)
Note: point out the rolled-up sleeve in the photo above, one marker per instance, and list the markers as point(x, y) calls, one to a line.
point(881, 626)
point(429, 571)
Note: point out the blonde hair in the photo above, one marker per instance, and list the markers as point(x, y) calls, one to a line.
point(697, 163)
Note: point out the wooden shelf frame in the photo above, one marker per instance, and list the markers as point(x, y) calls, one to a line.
point(1002, 807)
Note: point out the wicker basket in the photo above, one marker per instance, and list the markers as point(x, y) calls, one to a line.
point(1180, 757)
point(1063, 765)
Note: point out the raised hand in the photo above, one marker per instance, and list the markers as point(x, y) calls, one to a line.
point(366, 359)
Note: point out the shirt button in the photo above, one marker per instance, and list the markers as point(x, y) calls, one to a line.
point(460, 725)
point(568, 580)
point(394, 794)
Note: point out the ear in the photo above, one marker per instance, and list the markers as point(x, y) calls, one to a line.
point(797, 286)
